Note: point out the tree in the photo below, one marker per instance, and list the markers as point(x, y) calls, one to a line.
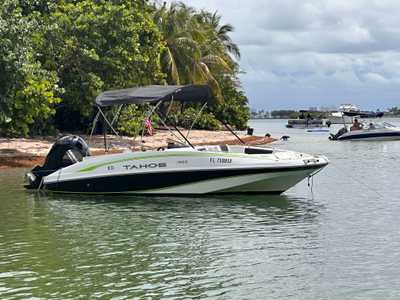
point(57, 56)
point(28, 92)
point(199, 50)
point(234, 110)
point(96, 46)
point(193, 52)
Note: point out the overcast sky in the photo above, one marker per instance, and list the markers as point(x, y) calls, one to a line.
point(298, 54)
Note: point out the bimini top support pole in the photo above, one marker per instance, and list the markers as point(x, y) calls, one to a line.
point(195, 120)
point(96, 118)
point(105, 123)
point(117, 114)
point(108, 122)
point(230, 129)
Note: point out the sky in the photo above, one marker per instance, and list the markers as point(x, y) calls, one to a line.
point(300, 54)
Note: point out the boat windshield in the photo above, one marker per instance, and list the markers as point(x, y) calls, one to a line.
point(372, 126)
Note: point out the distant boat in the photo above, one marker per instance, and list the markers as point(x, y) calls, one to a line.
point(348, 108)
point(365, 114)
point(318, 130)
point(337, 117)
point(347, 111)
point(305, 121)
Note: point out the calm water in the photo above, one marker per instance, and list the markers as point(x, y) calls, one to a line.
point(339, 241)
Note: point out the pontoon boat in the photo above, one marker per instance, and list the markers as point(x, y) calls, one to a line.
point(305, 121)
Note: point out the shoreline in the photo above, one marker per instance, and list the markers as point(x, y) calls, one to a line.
point(28, 152)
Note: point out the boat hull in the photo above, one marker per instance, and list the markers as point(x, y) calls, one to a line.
point(187, 171)
point(371, 136)
point(190, 182)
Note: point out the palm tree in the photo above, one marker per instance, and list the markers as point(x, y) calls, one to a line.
point(197, 48)
point(222, 32)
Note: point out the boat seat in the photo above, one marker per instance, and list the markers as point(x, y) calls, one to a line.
point(257, 151)
point(172, 145)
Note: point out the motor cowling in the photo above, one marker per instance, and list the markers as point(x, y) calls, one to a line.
point(342, 131)
point(66, 151)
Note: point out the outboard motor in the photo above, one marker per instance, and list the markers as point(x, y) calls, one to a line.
point(65, 152)
point(334, 137)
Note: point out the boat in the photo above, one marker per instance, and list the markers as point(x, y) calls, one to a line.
point(305, 121)
point(368, 132)
point(318, 129)
point(337, 117)
point(374, 132)
point(348, 107)
point(366, 114)
point(347, 111)
point(177, 168)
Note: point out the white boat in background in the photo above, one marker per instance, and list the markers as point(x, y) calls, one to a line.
point(347, 111)
point(348, 108)
point(338, 117)
point(177, 168)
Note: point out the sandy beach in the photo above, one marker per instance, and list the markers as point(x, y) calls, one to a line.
point(21, 152)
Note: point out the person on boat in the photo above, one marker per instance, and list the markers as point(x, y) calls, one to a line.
point(371, 126)
point(356, 125)
point(308, 119)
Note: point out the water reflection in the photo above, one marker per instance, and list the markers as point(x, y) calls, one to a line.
point(283, 208)
point(158, 246)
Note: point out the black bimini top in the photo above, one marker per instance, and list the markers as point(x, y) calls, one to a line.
point(364, 114)
point(155, 93)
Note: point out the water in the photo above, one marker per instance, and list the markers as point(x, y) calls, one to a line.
point(338, 241)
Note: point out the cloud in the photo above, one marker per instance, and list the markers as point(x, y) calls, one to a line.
point(339, 48)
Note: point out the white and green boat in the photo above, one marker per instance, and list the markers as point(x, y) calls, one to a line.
point(179, 168)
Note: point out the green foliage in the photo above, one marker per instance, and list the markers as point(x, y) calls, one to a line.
point(234, 109)
point(28, 92)
point(205, 121)
point(197, 47)
point(130, 121)
point(57, 56)
point(99, 45)
point(199, 50)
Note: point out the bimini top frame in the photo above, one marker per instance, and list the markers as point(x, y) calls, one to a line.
point(153, 94)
